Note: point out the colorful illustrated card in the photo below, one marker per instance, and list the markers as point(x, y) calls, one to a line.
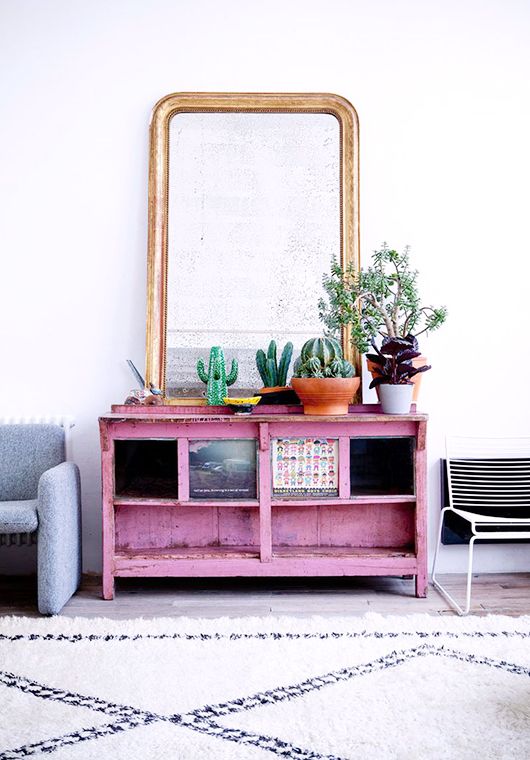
point(305, 466)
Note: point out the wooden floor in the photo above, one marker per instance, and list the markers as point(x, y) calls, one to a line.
point(501, 594)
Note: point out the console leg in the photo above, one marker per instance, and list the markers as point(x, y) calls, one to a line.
point(421, 586)
point(108, 586)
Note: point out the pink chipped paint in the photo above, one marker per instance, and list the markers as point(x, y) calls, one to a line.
point(146, 536)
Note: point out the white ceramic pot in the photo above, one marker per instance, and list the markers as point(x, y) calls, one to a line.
point(419, 361)
point(395, 399)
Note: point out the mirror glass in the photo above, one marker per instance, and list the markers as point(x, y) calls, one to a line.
point(254, 218)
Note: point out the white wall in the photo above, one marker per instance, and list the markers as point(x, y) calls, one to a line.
point(441, 89)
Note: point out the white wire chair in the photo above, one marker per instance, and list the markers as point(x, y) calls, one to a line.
point(489, 487)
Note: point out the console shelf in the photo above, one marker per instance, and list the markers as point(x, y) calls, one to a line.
point(350, 501)
point(206, 552)
point(145, 501)
point(198, 492)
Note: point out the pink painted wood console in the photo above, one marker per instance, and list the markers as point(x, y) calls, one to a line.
point(200, 492)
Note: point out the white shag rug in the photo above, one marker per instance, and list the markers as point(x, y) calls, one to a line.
point(311, 689)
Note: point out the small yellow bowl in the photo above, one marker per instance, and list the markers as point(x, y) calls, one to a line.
point(253, 400)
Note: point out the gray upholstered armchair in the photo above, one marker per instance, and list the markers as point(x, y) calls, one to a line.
point(40, 494)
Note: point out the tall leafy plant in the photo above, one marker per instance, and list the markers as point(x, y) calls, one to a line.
point(380, 300)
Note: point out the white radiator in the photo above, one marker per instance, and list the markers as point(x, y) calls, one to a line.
point(18, 539)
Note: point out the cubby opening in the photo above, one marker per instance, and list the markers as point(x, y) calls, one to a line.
point(146, 468)
point(361, 526)
point(187, 530)
point(382, 466)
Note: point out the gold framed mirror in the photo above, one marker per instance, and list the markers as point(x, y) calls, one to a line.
point(250, 197)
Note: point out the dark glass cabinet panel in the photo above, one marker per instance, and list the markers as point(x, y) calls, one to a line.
point(223, 469)
point(146, 468)
point(382, 466)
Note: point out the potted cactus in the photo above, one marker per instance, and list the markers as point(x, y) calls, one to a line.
point(274, 375)
point(323, 379)
point(216, 378)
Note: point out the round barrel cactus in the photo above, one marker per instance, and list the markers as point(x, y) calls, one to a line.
point(325, 349)
point(322, 357)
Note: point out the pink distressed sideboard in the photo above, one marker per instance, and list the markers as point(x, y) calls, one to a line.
point(168, 511)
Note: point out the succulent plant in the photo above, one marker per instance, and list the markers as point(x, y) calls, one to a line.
point(322, 357)
point(339, 368)
point(274, 374)
point(216, 378)
point(383, 299)
point(326, 349)
point(393, 361)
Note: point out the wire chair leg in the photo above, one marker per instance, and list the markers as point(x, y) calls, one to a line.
point(438, 543)
point(437, 585)
point(469, 572)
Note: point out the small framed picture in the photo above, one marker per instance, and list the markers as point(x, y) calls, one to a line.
point(223, 469)
point(305, 467)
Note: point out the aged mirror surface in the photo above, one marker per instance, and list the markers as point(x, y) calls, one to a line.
point(250, 197)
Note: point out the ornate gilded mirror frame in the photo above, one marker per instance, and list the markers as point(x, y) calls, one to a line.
point(300, 103)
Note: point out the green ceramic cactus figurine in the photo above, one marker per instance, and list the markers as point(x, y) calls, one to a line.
point(216, 378)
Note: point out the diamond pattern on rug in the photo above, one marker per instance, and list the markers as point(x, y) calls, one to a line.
point(274, 720)
point(432, 682)
point(31, 720)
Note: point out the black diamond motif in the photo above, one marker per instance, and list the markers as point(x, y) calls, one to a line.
point(202, 719)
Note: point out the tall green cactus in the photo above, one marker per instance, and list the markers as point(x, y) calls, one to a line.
point(285, 360)
point(272, 373)
point(216, 378)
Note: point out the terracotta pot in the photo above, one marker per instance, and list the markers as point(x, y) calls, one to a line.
point(326, 395)
point(416, 380)
point(273, 389)
point(279, 394)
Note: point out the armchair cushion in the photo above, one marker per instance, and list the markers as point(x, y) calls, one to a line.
point(26, 451)
point(18, 516)
point(59, 543)
point(40, 494)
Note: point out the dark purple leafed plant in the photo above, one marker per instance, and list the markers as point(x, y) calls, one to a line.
point(393, 361)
